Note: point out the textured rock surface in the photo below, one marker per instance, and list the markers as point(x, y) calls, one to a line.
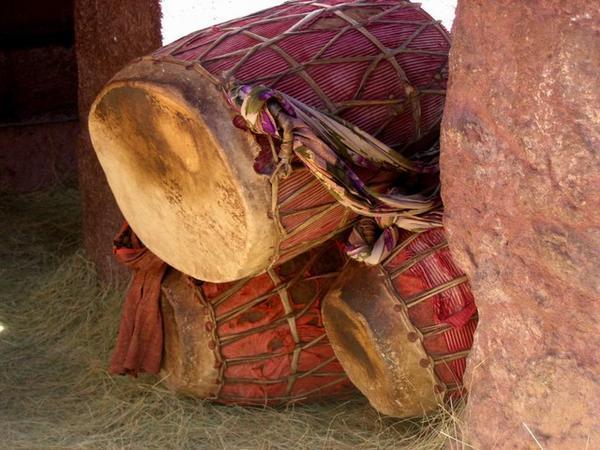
point(521, 188)
point(109, 34)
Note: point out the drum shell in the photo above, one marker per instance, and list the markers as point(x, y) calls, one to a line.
point(363, 63)
point(391, 326)
point(258, 341)
point(250, 224)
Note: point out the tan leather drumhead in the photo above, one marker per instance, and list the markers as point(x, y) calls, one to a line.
point(188, 364)
point(377, 346)
point(182, 173)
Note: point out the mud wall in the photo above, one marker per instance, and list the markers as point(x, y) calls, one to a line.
point(38, 95)
point(108, 35)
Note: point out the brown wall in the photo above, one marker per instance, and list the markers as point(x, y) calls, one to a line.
point(520, 179)
point(36, 156)
point(109, 34)
point(38, 94)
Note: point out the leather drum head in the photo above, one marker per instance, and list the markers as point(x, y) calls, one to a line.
point(188, 364)
point(182, 174)
point(377, 345)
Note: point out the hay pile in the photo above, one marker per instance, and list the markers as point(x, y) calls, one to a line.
point(57, 328)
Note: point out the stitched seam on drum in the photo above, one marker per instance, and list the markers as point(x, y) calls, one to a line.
point(215, 338)
point(420, 339)
point(315, 218)
point(399, 249)
point(397, 271)
point(415, 300)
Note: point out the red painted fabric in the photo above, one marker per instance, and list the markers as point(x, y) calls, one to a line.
point(140, 343)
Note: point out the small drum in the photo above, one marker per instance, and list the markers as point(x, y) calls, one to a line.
point(403, 329)
point(257, 341)
point(182, 172)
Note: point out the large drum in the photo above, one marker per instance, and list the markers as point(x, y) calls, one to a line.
point(183, 173)
point(257, 341)
point(402, 329)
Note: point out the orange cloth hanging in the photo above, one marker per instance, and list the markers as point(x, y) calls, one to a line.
point(140, 343)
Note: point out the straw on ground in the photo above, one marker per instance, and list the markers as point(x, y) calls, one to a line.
point(58, 326)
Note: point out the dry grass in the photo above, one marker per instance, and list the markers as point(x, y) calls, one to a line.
point(59, 325)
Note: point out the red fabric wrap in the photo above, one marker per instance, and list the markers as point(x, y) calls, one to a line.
point(379, 65)
point(270, 333)
point(454, 306)
point(140, 343)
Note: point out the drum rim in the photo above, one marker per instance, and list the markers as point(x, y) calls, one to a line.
point(422, 400)
point(252, 190)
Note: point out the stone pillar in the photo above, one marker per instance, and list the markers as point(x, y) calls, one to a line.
point(108, 35)
point(520, 179)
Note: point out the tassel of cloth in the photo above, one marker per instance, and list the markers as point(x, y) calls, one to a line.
point(330, 148)
point(140, 343)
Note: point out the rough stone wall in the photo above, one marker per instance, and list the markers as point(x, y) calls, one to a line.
point(520, 177)
point(108, 35)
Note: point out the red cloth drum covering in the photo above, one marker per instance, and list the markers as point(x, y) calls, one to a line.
point(381, 65)
point(265, 337)
point(439, 300)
